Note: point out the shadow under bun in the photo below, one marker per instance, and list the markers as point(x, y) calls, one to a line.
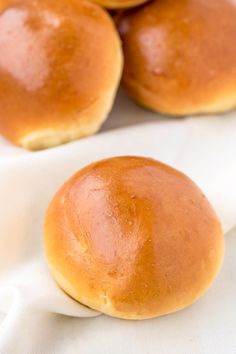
point(132, 238)
point(60, 65)
point(180, 55)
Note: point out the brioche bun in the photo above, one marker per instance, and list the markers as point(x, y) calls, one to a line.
point(132, 238)
point(180, 56)
point(60, 65)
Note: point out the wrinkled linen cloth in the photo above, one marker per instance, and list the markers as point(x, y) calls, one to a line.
point(36, 317)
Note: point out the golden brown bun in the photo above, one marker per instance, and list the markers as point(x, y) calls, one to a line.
point(132, 238)
point(60, 65)
point(119, 4)
point(180, 55)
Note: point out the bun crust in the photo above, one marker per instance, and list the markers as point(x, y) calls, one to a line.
point(180, 56)
point(132, 238)
point(60, 65)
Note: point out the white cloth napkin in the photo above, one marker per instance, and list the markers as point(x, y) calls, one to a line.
point(36, 317)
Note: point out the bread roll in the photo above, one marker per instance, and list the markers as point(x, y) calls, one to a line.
point(60, 65)
point(132, 238)
point(180, 55)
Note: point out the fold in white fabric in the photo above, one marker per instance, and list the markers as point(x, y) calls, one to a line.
point(36, 317)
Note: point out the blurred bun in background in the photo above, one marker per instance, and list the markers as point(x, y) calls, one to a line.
point(180, 55)
point(60, 66)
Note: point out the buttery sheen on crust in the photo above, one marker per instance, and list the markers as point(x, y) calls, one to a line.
point(180, 55)
point(132, 238)
point(60, 65)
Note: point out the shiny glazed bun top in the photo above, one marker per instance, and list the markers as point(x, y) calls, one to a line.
point(180, 55)
point(60, 64)
point(133, 238)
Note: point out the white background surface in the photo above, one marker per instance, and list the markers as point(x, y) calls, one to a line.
point(36, 314)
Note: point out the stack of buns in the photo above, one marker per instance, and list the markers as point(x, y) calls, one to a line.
point(61, 62)
point(128, 236)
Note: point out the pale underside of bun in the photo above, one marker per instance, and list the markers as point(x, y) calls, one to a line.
point(221, 102)
point(132, 238)
point(119, 4)
point(104, 304)
point(89, 122)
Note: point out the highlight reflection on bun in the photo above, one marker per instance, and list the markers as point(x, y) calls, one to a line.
point(132, 238)
point(60, 65)
point(180, 56)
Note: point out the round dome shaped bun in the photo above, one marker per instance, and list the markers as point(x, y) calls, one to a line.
point(60, 67)
point(132, 238)
point(180, 56)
